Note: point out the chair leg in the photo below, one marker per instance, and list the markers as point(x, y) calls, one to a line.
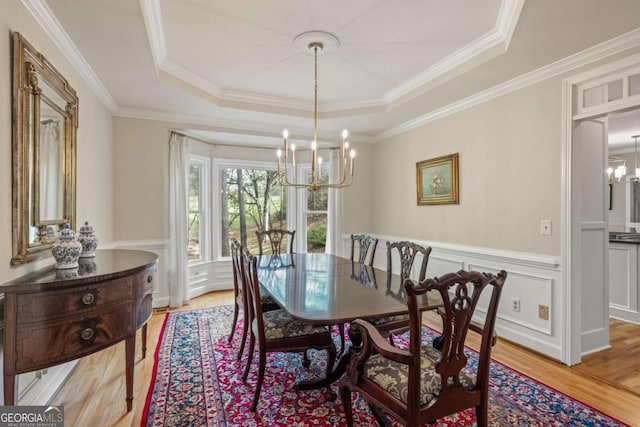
point(252, 343)
point(262, 364)
point(379, 416)
point(482, 414)
point(233, 324)
point(341, 327)
point(345, 395)
point(245, 329)
point(305, 359)
point(391, 339)
point(331, 358)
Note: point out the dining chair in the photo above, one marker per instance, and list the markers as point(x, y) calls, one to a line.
point(366, 248)
point(276, 241)
point(413, 259)
point(277, 331)
point(240, 302)
point(366, 245)
point(421, 383)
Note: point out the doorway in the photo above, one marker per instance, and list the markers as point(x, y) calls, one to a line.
point(588, 97)
point(615, 363)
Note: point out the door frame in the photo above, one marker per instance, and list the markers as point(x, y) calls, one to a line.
point(572, 328)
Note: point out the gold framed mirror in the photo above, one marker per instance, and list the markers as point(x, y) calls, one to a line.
point(45, 122)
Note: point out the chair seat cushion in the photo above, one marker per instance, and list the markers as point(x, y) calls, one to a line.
point(280, 324)
point(392, 376)
point(267, 300)
point(383, 320)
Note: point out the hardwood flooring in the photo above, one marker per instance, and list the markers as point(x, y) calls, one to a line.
point(94, 394)
point(619, 365)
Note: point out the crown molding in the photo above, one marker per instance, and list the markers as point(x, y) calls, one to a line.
point(592, 54)
point(43, 15)
point(499, 37)
point(486, 45)
point(152, 17)
point(232, 126)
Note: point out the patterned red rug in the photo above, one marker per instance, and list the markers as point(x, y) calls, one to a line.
point(197, 382)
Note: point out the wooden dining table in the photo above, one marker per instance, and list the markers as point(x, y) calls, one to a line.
point(325, 289)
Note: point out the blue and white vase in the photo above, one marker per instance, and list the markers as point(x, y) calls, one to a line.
point(88, 240)
point(86, 266)
point(66, 250)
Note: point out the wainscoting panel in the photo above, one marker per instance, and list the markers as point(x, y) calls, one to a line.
point(534, 283)
point(530, 291)
point(623, 282)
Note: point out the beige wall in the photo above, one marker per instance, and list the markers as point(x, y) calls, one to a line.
point(141, 179)
point(509, 162)
point(95, 140)
point(142, 170)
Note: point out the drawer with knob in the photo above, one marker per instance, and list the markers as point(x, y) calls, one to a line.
point(77, 336)
point(51, 305)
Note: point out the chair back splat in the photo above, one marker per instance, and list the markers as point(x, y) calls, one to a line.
point(275, 241)
point(408, 251)
point(366, 248)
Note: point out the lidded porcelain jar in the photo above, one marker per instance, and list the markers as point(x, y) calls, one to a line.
point(66, 250)
point(88, 240)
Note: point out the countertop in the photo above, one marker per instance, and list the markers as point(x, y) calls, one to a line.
point(619, 237)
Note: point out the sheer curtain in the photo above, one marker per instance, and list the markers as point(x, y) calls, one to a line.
point(334, 220)
point(51, 173)
point(178, 219)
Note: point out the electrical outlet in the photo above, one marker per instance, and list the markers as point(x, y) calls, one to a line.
point(545, 227)
point(543, 312)
point(515, 305)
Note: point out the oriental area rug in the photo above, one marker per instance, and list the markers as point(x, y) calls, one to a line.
point(197, 381)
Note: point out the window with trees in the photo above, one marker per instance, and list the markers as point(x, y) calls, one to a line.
point(316, 209)
point(197, 217)
point(250, 200)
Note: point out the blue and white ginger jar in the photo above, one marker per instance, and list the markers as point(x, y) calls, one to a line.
point(88, 240)
point(66, 250)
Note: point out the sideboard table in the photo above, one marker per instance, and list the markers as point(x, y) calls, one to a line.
point(54, 316)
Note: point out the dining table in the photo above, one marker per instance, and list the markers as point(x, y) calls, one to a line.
point(325, 289)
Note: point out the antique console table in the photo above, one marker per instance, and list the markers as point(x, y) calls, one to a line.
point(54, 316)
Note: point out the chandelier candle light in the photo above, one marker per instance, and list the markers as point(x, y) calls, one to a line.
point(289, 150)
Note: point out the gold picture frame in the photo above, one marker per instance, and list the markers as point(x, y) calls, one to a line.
point(437, 181)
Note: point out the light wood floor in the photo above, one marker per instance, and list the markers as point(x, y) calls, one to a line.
point(619, 365)
point(94, 394)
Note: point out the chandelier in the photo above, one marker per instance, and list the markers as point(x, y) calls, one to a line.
point(617, 169)
point(287, 172)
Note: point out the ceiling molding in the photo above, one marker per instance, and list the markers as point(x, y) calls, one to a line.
point(494, 42)
point(153, 23)
point(499, 37)
point(52, 27)
point(234, 127)
point(600, 51)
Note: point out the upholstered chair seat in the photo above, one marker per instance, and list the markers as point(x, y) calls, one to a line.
point(279, 324)
point(383, 320)
point(392, 376)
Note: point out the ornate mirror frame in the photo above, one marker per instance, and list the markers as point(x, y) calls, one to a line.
point(38, 86)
